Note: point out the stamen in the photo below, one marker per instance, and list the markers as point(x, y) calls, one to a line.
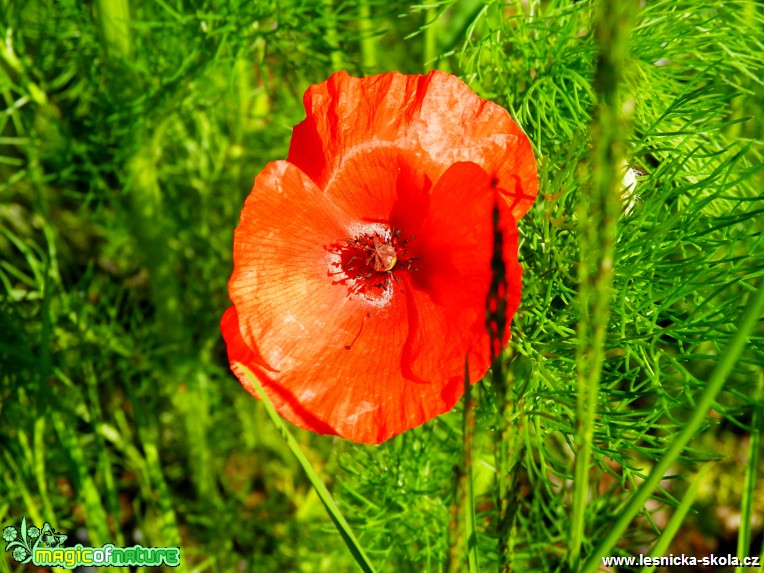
point(369, 264)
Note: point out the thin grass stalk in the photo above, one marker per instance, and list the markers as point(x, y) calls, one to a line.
point(368, 39)
point(332, 38)
point(677, 518)
point(706, 401)
point(113, 20)
point(145, 195)
point(468, 503)
point(456, 545)
point(462, 544)
point(598, 211)
point(496, 322)
point(39, 463)
point(343, 528)
point(430, 38)
point(749, 487)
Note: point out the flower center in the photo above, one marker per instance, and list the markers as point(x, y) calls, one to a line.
point(369, 262)
point(382, 256)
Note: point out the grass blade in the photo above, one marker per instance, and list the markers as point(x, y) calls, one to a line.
point(598, 210)
point(704, 404)
point(469, 497)
point(326, 498)
point(677, 519)
point(749, 489)
point(463, 530)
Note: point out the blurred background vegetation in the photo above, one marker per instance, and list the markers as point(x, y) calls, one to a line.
point(130, 134)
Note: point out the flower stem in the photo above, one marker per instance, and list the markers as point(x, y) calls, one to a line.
point(463, 509)
point(598, 211)
point(496, 323)
point(469, 494)
point(504, 466)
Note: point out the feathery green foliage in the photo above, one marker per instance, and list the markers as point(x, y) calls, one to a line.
point(130, 133)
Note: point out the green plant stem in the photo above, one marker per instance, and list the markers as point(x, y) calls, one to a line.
point(677, 518)
point(706, 401)
point(331, 35)
point(464, 528)
point(598, 211)
point(113, 19)
point(469, 498)
point(368, 40)
point(430, 38)
point(343, 528)
point(145, 193)
point(502, 382)
point(749, 489)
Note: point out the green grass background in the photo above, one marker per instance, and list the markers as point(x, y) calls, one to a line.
point(130, 134)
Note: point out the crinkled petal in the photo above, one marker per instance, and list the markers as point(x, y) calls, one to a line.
point(239, 354)
point(450, 289)
point(436, 117)
point(381, 185)
point(317, 347)
point(280, 286)
point(331, 360)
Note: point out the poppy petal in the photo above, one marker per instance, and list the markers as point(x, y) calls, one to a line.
point(280, 255)
point(305, 336)
point(362, 265)
point(381, 185)
point(451, 286)
point(437, 117)
point(332, 361)
point(239, 354)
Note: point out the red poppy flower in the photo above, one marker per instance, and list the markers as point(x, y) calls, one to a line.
point(362, 264)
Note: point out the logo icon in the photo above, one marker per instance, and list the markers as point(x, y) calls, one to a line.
point(23, 542)
point(44, 547)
